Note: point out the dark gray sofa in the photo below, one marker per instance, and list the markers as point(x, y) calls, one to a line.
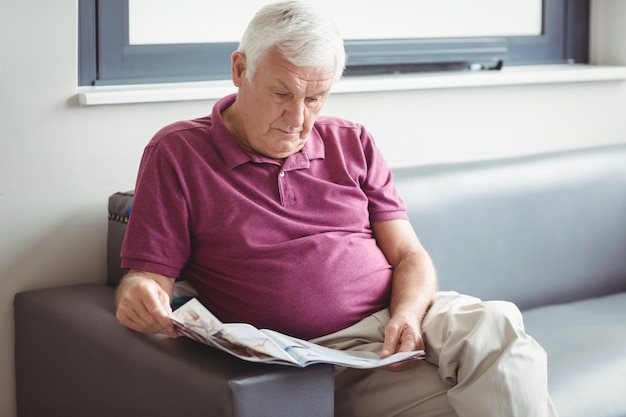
point(546, 231)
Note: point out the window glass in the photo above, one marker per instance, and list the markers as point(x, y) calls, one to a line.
point(197, 21)
point(155, 41)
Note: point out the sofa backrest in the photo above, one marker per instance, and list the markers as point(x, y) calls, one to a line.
point(533, 230)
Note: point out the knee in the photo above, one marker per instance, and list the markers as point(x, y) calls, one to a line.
point(502, 335)
point(501, 317)
point(469, 322)
point(505, 311)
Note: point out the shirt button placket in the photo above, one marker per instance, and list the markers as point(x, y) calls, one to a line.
point(287, 196)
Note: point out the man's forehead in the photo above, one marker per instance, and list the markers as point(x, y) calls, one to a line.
point(275, 61)
point(313, 87)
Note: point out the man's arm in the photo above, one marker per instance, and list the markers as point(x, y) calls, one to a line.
point(143, 302)
point(413, 287)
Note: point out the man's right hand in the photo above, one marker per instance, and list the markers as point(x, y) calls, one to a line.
point(143, 302)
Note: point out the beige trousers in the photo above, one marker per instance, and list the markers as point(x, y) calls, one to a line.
point(479, 363)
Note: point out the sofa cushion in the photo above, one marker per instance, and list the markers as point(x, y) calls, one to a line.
point(586, 346)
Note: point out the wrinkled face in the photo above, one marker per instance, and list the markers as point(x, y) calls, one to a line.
point(275, 110)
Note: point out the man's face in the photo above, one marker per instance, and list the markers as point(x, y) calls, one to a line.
point(275, 111)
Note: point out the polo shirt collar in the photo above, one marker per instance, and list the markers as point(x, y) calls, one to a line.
point(234, 155)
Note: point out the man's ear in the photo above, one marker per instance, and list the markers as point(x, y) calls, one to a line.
point(238, 68)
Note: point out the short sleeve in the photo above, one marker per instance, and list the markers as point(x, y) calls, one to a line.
point(384, 202)
point(157, 237)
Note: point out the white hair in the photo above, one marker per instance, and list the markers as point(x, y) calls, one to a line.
point(305, 36)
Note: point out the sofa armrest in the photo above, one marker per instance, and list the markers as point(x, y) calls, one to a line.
point(120, 205)
point(74, 359)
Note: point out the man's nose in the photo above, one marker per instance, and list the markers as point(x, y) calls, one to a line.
point(294, 113)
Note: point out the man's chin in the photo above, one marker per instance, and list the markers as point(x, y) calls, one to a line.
point(286, 151)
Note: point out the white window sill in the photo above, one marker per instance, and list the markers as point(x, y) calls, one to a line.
point(211, 90)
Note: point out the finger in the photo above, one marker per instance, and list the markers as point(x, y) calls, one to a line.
point(125, 319)
point(146, 311)
point(148, 323)
point(392, 339)
point(144, 320)
point(408, 342)
point(419, 343)
point(166, 323)
point(155, 311)
point(127, 315)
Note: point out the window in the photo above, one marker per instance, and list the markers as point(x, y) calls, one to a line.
point(121, 43)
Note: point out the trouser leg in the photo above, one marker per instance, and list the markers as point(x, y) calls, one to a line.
point(479, 363)
point(417, 392)
point(482, 350)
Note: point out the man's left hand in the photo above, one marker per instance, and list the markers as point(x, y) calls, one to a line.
point(402, 334)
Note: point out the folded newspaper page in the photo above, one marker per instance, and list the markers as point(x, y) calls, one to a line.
point(267, 346)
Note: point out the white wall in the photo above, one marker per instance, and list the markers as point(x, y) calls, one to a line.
point(59, 161)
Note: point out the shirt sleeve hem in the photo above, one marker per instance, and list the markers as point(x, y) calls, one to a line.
point(389, 215)
point(149, 266)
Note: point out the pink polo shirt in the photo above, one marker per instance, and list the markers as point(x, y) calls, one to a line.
point(287, 247)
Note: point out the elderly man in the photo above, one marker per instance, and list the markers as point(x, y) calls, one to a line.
point(289, 220)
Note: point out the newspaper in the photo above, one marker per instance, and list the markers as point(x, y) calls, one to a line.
point(267, 346)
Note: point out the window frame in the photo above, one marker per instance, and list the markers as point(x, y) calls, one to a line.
point(107, 58)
